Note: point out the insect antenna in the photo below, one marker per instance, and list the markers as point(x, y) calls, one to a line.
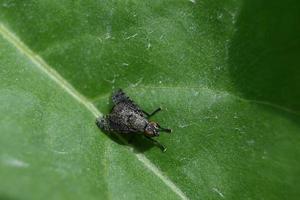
point(167, 130)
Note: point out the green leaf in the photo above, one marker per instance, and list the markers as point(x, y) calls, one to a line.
point(226, 74)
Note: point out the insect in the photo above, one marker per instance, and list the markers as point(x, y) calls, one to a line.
point(126, 117)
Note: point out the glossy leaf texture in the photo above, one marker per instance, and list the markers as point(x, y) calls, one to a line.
point(226, 74)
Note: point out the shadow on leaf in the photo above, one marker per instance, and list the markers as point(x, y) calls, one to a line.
point(138, 141)
point(264, 52)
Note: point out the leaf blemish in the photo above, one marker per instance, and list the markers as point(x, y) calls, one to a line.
point(107, 36)
point(149, 45)
point(125, 64)
point(137, 83)
point(60, 152)
point(13, 162)
point(183, 125)
point(113, 80)
point(188, 125)
point(196, 93)
point(217, 191)
point(131, 36)
point(250, 142)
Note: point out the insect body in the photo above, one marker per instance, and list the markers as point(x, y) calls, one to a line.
point(128, 117)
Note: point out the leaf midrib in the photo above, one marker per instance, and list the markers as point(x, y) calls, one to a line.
point(52, 74)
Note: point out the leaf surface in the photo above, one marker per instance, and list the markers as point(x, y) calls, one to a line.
point(228, 83)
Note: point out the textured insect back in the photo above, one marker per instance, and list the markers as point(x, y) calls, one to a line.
point(120, 96)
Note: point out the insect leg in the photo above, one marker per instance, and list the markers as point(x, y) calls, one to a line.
point(153, 113)
point(162, 147)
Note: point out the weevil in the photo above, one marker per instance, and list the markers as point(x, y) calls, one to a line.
point(126, 117)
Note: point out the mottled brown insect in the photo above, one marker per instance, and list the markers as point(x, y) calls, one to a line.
point(126, 117)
